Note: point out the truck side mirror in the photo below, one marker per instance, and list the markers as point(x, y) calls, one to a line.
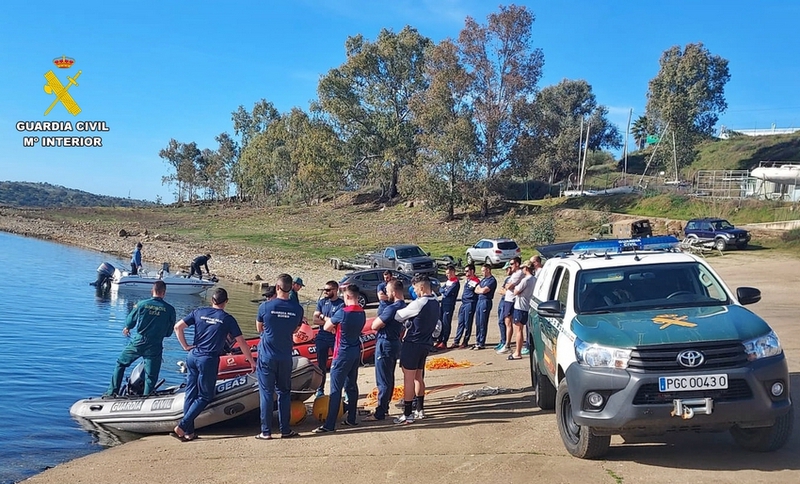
point(551, 309)
point(748, 295)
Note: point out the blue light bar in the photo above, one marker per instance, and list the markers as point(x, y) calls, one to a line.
point(616, 246)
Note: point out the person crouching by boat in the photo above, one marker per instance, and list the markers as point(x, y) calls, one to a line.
point(325, 341)
point(153, 319)
point(347, 322)
point(212, 327)
point(197, 265)
point(279, 317)
point(420, 318)
point(387, 347)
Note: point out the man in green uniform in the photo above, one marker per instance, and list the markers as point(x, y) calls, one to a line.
point(154, 319)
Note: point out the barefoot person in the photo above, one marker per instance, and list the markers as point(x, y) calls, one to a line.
point(212, 327)
point(153, 319)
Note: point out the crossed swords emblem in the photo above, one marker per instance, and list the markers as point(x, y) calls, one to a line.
point(54, 86)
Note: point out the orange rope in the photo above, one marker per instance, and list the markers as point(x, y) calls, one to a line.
point(443, 362)
point(372, 397)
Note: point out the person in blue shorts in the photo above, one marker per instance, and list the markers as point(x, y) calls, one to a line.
point(448, 306)
point(347, 322)
point(483, 307)
point(153, 319)
point(212, 328)
point(387, 348)
point(420, 318)
point(136, 259)
point(280, 317)
point(325, 341)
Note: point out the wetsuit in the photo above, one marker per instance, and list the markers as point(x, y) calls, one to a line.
point(197, 263)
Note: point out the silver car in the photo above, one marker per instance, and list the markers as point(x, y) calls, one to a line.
point(493, 251)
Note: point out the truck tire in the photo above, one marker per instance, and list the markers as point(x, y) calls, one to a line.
point(720, 244)
point(545, 392)
point(765, 439)
point(578, 439)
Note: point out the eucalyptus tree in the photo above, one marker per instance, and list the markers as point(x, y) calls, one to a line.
point(185, 159)
point(557, 123)
point(367, 100)
point(687, 96)
point(446, 133)
point(505, 69)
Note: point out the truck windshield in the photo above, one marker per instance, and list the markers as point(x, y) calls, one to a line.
point(648, 287)
point(409, 252)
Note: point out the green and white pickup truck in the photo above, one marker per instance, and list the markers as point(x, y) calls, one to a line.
point(633, 338)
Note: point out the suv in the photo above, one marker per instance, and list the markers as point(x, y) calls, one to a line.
point(493, 251)
point(718, 230)
point(638, 343)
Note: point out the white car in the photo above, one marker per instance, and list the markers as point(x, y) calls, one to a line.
point(494, 252)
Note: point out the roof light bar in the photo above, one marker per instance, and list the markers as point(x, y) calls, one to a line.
point(616, 246)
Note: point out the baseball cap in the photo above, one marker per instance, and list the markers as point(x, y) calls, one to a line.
point(508, 264)
point(298, 281)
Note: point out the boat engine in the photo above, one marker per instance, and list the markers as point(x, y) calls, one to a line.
point(134, 386)
point(104, 275)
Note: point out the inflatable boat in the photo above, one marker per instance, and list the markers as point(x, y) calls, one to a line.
point(234, 363)
point(161, 411)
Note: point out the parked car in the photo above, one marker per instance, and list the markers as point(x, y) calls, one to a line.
point(368, 280)
point(626, 229)
point(406, 258)
point(494, 252)
point(722, 232)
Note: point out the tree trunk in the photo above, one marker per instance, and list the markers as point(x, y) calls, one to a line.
point(393, 180)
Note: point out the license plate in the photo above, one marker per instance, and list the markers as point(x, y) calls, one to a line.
point(694, 382)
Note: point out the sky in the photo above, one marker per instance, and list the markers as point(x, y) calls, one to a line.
point(153, 71)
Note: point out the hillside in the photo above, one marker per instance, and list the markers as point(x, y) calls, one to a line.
point(28, 194)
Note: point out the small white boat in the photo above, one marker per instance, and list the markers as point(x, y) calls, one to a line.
point(117, 279)
point(161, 411)
point(786, 174)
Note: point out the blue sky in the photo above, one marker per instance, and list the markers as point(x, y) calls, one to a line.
point(159, 70)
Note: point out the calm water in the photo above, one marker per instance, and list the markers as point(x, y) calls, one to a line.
point(59, 343)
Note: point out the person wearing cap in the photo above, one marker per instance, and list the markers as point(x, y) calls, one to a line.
point(297, 284)
point(280, 318)
point(136, 259)
point(325, 340)
point(197, 265)
point(212, 328)
point(153, 319)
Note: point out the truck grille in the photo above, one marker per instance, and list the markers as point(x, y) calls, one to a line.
point(719, 354)
point(423, 265)
point(648, 393)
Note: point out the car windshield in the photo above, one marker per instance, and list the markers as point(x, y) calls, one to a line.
point(409, 252)
point(722, 225)
point(657, 286)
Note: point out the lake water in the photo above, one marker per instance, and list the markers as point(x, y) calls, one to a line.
point(59, 343)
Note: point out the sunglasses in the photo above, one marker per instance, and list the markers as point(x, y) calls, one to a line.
point(328, 289)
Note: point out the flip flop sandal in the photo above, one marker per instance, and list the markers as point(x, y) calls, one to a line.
point(189, 437)
point(290, 435)
point(179, 432)
point(263, 436)
point(512, 357)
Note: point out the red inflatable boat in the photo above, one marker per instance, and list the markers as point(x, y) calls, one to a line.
point(234, 363)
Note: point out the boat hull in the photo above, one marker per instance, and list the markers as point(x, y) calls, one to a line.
point(161, 412)
point(123, 281)
point(235, 363)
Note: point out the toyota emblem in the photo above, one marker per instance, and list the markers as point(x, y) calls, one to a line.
point(691, 358)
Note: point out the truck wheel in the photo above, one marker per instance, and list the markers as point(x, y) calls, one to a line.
point(362, 300)
point(720, 244)
point(578, 439)
point(544, 390)
point(765, 439)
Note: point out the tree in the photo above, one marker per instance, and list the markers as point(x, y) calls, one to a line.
point(687, 95)
point(247, 125)
point(446, 133)
point(640, 129)
point(185, 159)
point(505, 70)
point(551, 146)
point(367, 99)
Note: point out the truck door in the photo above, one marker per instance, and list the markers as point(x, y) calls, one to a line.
point(549, 328)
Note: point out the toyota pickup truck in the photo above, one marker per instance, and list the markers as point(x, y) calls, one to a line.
point(633, 338)
point(409, 259)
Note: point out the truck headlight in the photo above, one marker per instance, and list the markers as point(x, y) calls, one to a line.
point(595, 355)
point(763, 346)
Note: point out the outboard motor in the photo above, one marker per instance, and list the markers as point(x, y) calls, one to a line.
point(104, 275)
point(134, 385)
point(164, 269)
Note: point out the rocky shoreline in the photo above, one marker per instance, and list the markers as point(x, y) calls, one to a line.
point(230, 262)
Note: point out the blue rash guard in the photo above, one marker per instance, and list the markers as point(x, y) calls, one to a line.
point(393, 328)
point(327, 307)
point(281, 318)
point(349, 321)
point(211, 329)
